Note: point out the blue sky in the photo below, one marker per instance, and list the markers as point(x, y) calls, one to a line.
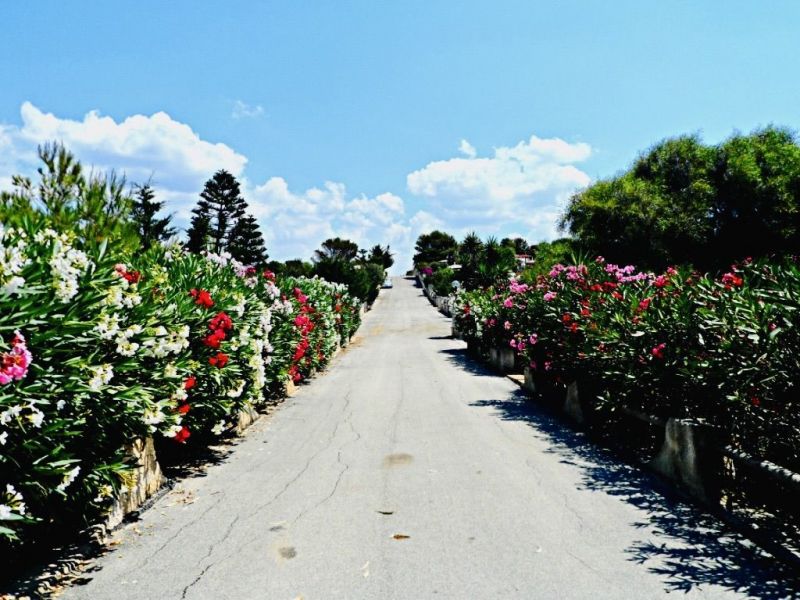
point(347, 118)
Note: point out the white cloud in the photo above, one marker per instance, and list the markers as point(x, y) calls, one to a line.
point(467, 149)
point(242, 110)
point(524, 185)
point(295, 223)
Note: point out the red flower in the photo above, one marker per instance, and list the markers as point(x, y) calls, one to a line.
point(220, 321)
point(730, 280)
point(250, 271)
point(566, 317)
point(645, 304)
point(182, 435)
point(183, 408)
point(616, 295)
point(219, 361)
point(269, 275)
point(658, 351)
point(585, 312)
point(132, 276)
point(213, 340)
point(202, 298)
point(190, 382)
point(573, 328)
point(660, 282)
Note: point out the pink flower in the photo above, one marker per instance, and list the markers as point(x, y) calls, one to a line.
point(14, 363)
point(507, 325)
point(550, 296)
point(508, 303)
point(521, 346)
point(513, 344)
point(534, 366)
point(533, 339)
point(658, 351)
point(548, 364)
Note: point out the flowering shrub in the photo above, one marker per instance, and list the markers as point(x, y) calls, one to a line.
point(675, 344)
point(97, 350)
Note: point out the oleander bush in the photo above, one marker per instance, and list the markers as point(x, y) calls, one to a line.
point(101, 344)
point(676, 344)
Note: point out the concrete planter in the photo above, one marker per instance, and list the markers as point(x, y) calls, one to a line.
point(502, 359)
point(144, 481)
point(691, 456)
point(573, 406)
point(454, 332)
point(530, 384)
point(247, 416)
point(290, 388)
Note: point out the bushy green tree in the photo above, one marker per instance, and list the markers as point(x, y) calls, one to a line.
point(687, 202)
point(434, 247)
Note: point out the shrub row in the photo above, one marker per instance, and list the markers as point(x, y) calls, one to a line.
point(98, 350)
point(676, 344)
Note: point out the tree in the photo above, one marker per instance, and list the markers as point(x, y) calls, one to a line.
point(756, 210)
point(336, 249)
point(219, 208)
point(246, 244)
point(656, 214)
point(519, 245)
point(97, 208)
point(434, 247)
point(151, 228)
point(381, 256)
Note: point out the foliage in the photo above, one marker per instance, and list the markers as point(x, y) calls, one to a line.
point(442, 281)
point(684, 202)
point(677, 344)
point(96, 208)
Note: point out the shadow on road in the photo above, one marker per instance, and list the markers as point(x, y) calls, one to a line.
point(691, 548)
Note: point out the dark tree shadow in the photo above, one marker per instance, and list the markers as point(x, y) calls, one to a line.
point(693, 548)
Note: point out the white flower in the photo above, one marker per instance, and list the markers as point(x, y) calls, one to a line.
point(237, 391)
point(68, 479)
point(101, 375)
point(180, 394)
point(126, 347)
point(3, 438)
point(13, 285)
point(36, 417)
point(173, 431)
point(107, 326)
point(60, 405)
point(218, 428)
point(170, 371)
point(5, 512)
point(153, 417)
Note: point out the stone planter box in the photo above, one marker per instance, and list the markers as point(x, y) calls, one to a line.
point(529, 384)
point(144, 481)
point(691, 456)
point(246, 417)
point(502, 359)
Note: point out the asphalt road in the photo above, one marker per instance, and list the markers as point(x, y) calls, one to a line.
point(407, 471)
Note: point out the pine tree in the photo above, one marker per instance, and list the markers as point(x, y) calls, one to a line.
point(218, 210)
point(245, 242)
point(144, 209)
